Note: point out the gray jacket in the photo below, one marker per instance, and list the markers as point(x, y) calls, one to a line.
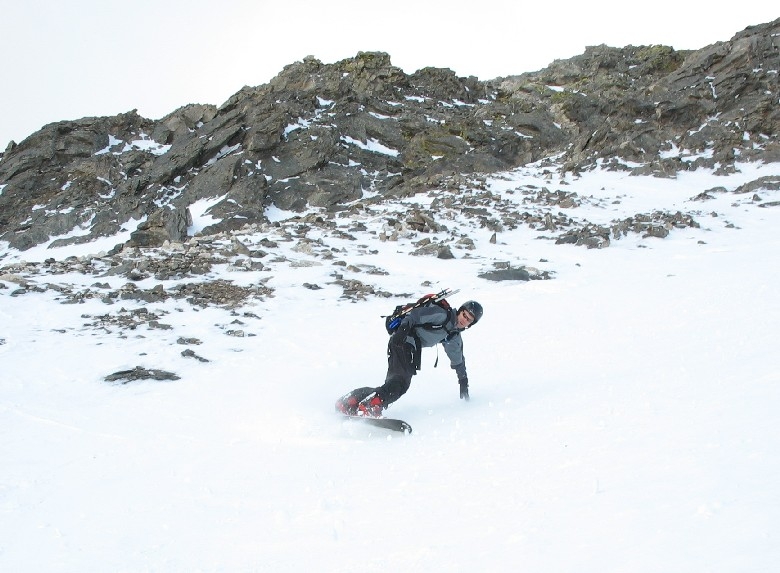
point(431, 325)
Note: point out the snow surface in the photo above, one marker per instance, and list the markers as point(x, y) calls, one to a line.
point(623, 415)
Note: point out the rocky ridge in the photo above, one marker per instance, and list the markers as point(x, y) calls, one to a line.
point(329, 135)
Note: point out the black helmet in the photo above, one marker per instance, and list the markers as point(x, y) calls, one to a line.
point(474, 308)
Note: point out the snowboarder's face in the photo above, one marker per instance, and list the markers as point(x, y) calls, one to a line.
point(465, 319)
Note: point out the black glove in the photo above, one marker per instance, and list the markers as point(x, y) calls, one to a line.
point(464, 388)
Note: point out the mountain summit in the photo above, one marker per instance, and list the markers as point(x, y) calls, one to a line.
point(327, 135)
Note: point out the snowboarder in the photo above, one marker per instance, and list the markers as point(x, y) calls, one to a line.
point(423, 326)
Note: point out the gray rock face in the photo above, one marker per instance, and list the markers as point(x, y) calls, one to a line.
point(328, 135)
point(161, 226)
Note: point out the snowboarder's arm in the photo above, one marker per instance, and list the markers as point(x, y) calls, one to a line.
point(454, 349)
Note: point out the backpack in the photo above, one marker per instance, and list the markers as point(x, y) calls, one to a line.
point(394, 320)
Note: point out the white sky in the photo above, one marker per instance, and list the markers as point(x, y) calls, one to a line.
point(70, 59)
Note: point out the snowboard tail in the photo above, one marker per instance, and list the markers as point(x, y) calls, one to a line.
point(387, 423)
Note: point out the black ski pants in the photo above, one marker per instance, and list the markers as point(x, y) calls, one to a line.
point(401, 366)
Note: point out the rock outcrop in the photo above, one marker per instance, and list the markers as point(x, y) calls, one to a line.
point(328, 135)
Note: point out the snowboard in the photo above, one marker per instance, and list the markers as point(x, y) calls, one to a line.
point(387, 423)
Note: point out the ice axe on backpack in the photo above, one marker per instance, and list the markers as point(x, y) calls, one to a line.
point(392, 321)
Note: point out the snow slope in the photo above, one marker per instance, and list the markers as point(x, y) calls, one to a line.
point(623, 415)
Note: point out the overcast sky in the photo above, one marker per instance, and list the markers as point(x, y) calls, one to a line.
point(67, 59)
